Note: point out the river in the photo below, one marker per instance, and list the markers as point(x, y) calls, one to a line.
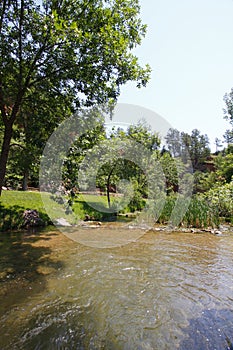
point(162, 291)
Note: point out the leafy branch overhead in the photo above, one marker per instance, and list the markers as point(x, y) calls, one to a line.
point(78, 52)
point(78, 46)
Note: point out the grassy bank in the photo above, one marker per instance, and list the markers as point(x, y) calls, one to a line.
point(203, 211)
point(13, 204)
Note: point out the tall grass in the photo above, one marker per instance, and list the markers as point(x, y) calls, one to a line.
point(200, 213)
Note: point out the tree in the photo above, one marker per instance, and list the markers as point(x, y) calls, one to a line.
point(198, 148)
point(194, 147)
point(77, 153)
point(173, 140)
point(141, 135)
point(169, 165)
point(228, 112)
point(123, 161)
point(224, 167)
point(72, 49)
point(218, 144)
point(31, 131)
point(228, 137)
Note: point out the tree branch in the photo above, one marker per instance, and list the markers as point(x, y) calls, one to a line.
point(17, 145)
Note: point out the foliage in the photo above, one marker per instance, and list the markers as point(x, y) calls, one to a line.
point(103, 161)
point(77, 153)
point(137, 201)
point(111, 162)
point(169, 165)
point(167, 209)
point(40, 116)
point(185, 146)
point(205, 210)
point(142, 133)
point(198, 214)
point(228, 115)
point(223, 172)
point(220, 201)
point(224, 167)
point(72, 52)
point(228, 111)
point(228, 137)
point(218, 144)
point(203, 181)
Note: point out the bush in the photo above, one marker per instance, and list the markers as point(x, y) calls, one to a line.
point(220, 201)
point(137, 202)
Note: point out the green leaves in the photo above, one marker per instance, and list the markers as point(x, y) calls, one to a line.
point(228, 99)
point(75, 52)
point(220, 201)
point(81, 44)
point(195, 146)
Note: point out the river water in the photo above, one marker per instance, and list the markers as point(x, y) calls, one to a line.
point(163, 291)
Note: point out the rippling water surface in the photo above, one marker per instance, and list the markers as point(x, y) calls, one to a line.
point(164, 291)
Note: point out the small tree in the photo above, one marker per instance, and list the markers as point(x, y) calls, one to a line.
point(218, 144)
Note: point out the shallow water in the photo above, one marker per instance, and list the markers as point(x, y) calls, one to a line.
point(163, 291)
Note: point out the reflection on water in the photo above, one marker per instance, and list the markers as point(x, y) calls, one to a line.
point(164, 291)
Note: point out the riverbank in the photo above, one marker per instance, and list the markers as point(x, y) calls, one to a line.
point(22, 210)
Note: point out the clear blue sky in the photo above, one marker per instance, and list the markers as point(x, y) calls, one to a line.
point(189, 46)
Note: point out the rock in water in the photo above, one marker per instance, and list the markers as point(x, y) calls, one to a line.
point(62, 222)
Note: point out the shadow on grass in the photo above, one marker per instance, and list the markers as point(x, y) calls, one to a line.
point(11, 218)
point(91, 213)
point(24, 266)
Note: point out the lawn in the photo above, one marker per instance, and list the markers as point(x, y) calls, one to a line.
point(14, 203)
point(25, 200)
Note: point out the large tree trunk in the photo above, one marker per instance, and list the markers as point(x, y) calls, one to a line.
point(5, 152)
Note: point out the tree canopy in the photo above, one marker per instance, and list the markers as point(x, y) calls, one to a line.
point(75, 52)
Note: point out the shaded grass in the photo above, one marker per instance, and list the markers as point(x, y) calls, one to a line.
point(95, 207)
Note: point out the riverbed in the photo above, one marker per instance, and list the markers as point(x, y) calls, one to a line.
point(161, 291)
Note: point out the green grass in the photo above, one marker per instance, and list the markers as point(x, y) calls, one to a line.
point(14, 203)
point(96, 207)
point(26, 200)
